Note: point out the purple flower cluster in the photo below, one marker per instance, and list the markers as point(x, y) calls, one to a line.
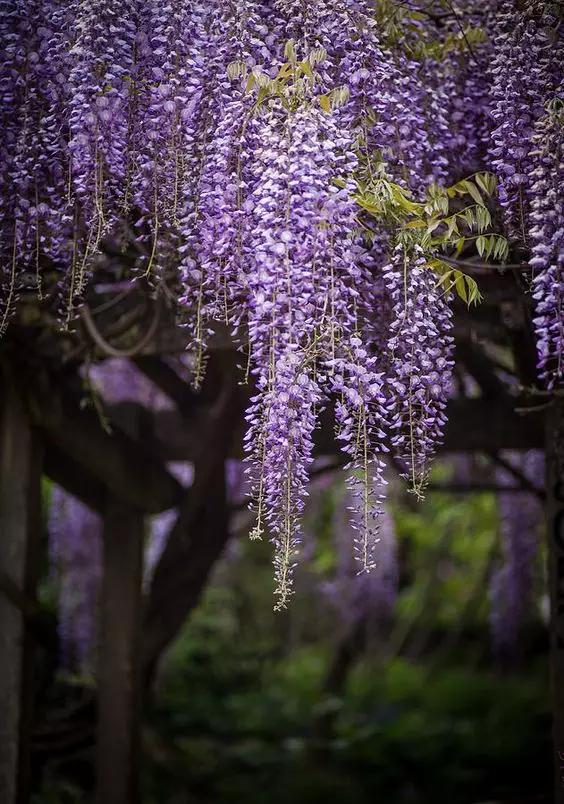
point(547, 240)
point(281, 429)
point(522, 81)
point(527, 95)
point(420, 362)
point(357, 596)
point(360, 415)
point(225, 139)
point(305, 286)
point(33, 152)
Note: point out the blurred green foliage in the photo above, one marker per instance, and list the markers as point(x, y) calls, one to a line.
point(302, 706)
point(244, 711)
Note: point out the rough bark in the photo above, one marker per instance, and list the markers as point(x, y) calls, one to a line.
point(121, 463)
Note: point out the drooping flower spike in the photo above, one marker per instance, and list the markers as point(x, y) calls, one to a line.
point(266, 160)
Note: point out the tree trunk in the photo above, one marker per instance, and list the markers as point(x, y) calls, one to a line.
point(118, 677)
point(194, 545)
point(201, 530)
point(555, 535)
point(20, 522)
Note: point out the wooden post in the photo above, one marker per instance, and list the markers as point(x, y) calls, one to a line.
point(555, 536)
point(118, 677)
point(20, 503)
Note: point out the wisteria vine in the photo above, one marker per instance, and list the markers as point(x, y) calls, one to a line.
point(295, 171)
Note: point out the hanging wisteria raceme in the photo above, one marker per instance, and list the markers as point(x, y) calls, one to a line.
point(420, 348)
point(182, 106)
point(388, 103)
point(219, 136)
point(262, 160)
point(282, 428)
point(527, 95)
point(304, 281)
point(547, 239)
point(526, 64)
point(459, 102)
point(101, 77)
point(526, 52)
point(34, 153)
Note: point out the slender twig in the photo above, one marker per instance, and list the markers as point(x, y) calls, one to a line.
point(482, 267)
point(463, 32)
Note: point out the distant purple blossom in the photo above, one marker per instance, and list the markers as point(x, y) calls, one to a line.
point(119, 380)
point(75, 550)
point(360, 595)
point(512, 583)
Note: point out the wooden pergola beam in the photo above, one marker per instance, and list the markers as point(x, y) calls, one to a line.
point(474, 425)
point(118, 463)
point(169, 382)
point(63, 470)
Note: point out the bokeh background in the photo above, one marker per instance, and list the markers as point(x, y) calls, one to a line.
point(425, 682)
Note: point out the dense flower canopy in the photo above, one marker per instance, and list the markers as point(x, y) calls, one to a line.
point(307, 174)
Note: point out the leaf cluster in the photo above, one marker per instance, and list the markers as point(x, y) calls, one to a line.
point(446, 221)
point(293, 84)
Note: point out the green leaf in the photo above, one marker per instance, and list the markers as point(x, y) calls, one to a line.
point(473, 191)
point(262, 95)
point(452, 228)
point(325, 102)
point(444, 280)
point(339, 96)
point(468, 216)
point(474, 295)
point(235, 70)
point(317, 55)
point(290, 51)
point(451, 278)
point(284, 71)
point(461, 287)
point(482, 183)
